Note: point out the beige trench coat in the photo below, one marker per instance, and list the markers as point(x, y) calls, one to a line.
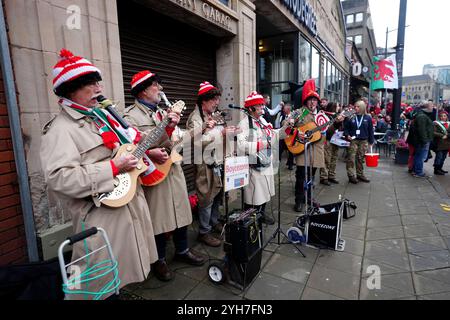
point(318, 149)
point(207, 184)
point(261, 187)
point(168, 201)
point(77, 167)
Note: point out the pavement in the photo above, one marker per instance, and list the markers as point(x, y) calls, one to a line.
point(401, 230)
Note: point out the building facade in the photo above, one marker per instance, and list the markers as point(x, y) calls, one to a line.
point(419, 88)
point(441, 74)
point(358, 21)
point(298, 41)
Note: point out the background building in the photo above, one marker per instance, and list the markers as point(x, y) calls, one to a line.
point(294, 48)
point(419, 88)
point(358, 21)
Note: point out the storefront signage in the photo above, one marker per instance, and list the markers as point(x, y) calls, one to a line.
point(207, 11)
point(304, 13)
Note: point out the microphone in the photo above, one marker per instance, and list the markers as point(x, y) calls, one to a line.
point(107, 104)
point(233, 106)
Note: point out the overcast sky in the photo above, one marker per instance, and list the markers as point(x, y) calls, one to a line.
point(427, 37)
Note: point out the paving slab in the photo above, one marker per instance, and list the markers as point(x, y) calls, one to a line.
point(416, 245)
point(429, 260)
point(421, 231)
point(293, 269)
point(314, 294)
point(270, 287)
point(391, 287)
point(334, 282)
point(214, 292)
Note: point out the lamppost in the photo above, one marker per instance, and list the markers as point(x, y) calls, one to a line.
point(385, 56)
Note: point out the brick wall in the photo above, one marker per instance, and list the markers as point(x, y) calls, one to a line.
point(12, 234)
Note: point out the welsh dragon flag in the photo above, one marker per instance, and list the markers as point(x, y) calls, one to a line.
point(384, 73)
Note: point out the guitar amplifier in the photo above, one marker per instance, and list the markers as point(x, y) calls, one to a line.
point(323, 229)
point(243, 238)
point(243, 248)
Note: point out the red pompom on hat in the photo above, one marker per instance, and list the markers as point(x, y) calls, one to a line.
point(205, 87)
point(254, 99)
point(140, 77)
point(70, 68)
point(309, 91)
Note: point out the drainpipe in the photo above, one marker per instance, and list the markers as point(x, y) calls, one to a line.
point(19, 152)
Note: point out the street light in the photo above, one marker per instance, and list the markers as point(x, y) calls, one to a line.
point(387, 33)
point(385, 56)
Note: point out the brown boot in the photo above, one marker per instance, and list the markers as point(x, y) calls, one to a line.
point(363, 179)
point(218, 228)
point(161, 271)
point(209, 240)
point(353, 180)
point(191, 258)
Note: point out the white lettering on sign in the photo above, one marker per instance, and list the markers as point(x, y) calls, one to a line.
point(215, 15)
point(357, 69)
point(303, 12)
point(189, 4)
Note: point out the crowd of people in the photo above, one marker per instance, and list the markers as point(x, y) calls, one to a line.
point(80, 161)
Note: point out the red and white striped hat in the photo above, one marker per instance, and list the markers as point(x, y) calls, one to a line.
point(70, 68)
point(205, 87)
point(254, 99)
point(140, 77)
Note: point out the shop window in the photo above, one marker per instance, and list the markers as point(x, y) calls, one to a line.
point(350, 19)
point(358, 39)
point(359, 17)
point(315, 68)
point(304, 60)
point(276, 66)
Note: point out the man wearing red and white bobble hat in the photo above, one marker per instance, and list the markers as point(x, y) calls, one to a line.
point(76, 154)
point(168, 201)
point(256, 138)
point(208, 174)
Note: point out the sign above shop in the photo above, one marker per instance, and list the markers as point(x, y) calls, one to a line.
point(303, 12)
point(208, 12)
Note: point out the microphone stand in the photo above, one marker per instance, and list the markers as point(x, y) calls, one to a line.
point(278, 231)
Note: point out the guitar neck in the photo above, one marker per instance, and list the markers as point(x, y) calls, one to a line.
point(152, 138)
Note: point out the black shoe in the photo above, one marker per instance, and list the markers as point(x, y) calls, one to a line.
point(363, 179)
point(444, 171)
point(298, 207)
point(325, 182)
point(191, 258)
point(267, 220)
point(439, 172)
point(353, 180)
point(334, 181)
point(162, 271)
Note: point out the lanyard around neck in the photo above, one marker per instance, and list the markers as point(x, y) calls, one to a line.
point(359, 123)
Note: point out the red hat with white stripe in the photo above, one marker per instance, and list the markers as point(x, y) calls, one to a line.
point(205, 87)
point(70, 68)
point(254, 99)
point(140, 77)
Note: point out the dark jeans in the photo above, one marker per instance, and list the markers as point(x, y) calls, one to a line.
point(179, 239)
point(300, 184)
point(420, 155)
point(440, 159)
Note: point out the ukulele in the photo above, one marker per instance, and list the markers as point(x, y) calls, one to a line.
point(175, 157)
point(125, 183)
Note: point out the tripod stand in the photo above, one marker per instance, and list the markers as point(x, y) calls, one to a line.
point(307, 185)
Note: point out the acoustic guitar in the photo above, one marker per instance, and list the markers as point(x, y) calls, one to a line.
point(126, 183)
point(310, 132)
point(175, 156)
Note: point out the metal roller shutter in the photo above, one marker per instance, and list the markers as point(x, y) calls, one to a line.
point(183, 57)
